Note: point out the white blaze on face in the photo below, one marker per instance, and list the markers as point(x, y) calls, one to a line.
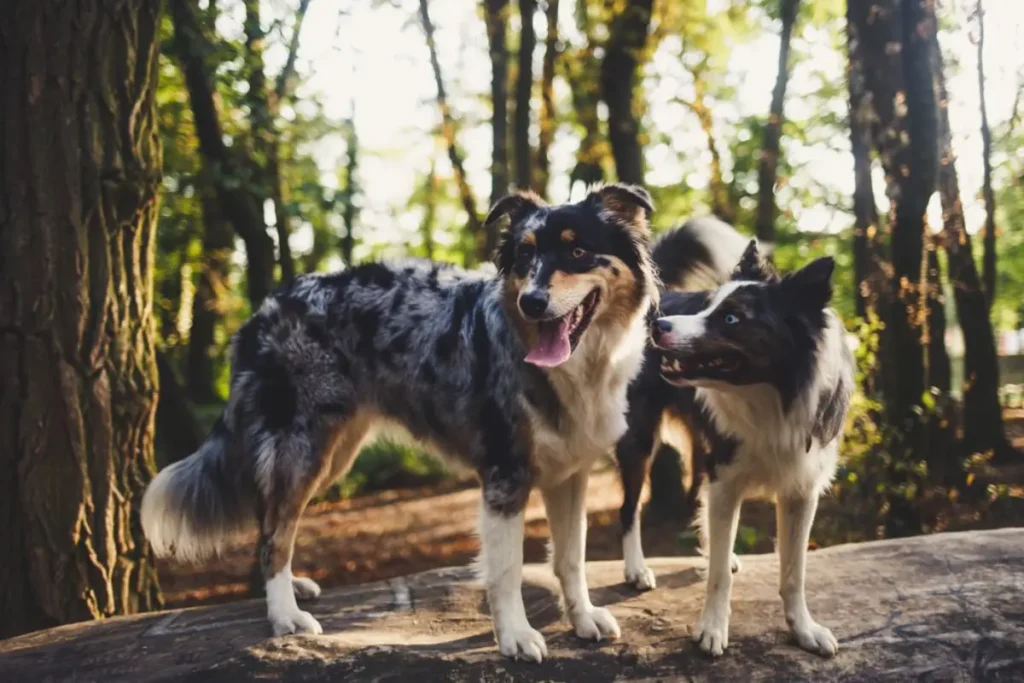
point(686, 328)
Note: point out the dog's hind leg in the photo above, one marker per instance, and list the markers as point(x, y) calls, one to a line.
point(567, 516)
point(722, 513)
point(633, 453)
point(291, 466)
point(794, 518)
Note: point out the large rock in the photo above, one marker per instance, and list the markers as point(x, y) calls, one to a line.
point(941, 607)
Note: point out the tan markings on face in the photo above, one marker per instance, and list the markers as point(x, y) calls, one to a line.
point(568, 290)
point(568, 235)
point(530, 238)
point(621, 295)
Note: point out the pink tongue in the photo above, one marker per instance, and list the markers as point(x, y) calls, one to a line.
point(552, 346)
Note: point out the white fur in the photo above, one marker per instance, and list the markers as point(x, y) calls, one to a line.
point(771, 459)
point(168, 528)
point(282, 609)
point(567, 511)
point(501, 562)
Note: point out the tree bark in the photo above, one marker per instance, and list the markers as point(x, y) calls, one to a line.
point(983, 417)
point(542, 174)
point(496, 17)
point(767, 172)
point(868, 258)
point(627, 39)
point(475, 228)
point(79, 175)
point(231, 176)
point(209, 301)
point(524, 92)
point(989, 240)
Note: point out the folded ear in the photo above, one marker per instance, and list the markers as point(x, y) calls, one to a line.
point(811, 286)
point(627, 205)
point(753, 266)
point(516, 206)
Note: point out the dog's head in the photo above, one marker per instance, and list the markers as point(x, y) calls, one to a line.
point(755, 329)
point(572, 267)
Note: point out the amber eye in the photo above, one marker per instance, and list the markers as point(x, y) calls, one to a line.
point(579, 252)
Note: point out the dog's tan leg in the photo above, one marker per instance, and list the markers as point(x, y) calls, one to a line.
point(794, 518)
point(567, 516)
point(722, 512)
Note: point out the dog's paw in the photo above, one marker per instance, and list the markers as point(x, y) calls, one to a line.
point(641, 578)
point(305, 589)
point(734, 563)
point(815, 638)
point(522, 642)
point(596, 623)
point(712, 633)
point(295, 622)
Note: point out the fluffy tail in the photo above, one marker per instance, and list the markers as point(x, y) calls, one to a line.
point(701, 254)
point(194, 505)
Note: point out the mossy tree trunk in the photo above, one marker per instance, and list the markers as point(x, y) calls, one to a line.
point(79, 171)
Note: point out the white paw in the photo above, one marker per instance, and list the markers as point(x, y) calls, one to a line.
point(305, 589)
point(641, 578)
point(522, 642)
point(734, 563)
point(815, 638)
point(596, 623)
point(712, 633)
point(295, 622)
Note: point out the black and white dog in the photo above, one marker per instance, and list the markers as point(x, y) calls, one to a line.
point(521, 376)
point(760, 373)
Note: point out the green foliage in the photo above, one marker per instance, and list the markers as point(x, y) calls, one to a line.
point(387, 465)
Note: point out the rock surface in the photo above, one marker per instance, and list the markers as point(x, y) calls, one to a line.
point(941, 607)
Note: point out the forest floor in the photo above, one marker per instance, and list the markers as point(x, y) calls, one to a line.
point(394, 533)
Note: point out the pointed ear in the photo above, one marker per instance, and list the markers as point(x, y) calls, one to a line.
point(516, 206)
point(811, 286)
point(627, 205)
point(753, 266)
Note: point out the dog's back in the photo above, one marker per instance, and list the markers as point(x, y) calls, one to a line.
point(699, 255)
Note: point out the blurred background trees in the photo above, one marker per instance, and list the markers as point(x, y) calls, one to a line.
point(304, 135)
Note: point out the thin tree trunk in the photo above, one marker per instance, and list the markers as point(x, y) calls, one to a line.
point(989, 240)
point(542, 175)
point(983, 417)
point(627, 39)
point(209, 301)
point(898, 80)
point(475, 228)
point(349, 211)
point(767, 173)
point(496, 16)
point(241, 206)
point(524, 92)
point(721, 206)
point(583, 73)
point(869, 279)
point(79, 175)
point(266, 170)
point(429, 221)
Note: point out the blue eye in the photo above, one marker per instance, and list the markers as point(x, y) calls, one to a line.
point(731, 319)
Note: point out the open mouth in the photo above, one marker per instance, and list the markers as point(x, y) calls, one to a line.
point(678, 368)
point(557, 338)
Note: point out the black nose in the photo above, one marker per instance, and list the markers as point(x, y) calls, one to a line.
point(663, 325)
point(534, 303)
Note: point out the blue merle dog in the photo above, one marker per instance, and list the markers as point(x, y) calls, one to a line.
point(520, 375)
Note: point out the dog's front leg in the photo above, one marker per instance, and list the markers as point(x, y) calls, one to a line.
point(501, 539)
point(721, 519)
point(567, 516)
point(794, 518)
